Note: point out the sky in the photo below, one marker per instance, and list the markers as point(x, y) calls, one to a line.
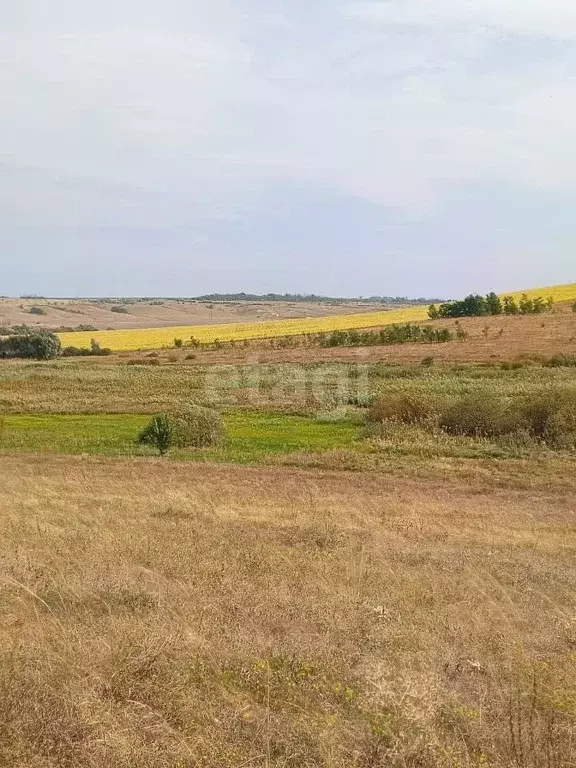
point(362, 147)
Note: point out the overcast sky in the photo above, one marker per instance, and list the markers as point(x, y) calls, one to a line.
point(403, 147)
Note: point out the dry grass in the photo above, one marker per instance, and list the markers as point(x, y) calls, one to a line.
point(276, 325)
point(489, 339)
point(157, 615)
point(73, 312)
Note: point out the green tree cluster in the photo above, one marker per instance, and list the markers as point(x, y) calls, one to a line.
point(476, 305)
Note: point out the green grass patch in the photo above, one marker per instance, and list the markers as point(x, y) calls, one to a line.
point(251, 435)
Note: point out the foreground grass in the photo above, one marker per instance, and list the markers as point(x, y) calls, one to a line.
point(158, 614)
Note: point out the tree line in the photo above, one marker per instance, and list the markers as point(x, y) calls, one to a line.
point(392, 334)
point(476, 305)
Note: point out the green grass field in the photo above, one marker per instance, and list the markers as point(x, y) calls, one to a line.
point(251, 436)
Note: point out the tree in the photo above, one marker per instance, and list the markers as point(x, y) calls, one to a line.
point(493, 304)
point(433, 313)
point(538, 305)
point(157, 433)
point(510, 306)
point(40, 345)
point(526, 305)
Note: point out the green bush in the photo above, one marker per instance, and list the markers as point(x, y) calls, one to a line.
point(95, 350)
point(119, 310)
point(157, 433)
point(197, 427)
point(37, 311)
point(40, 345)
point(477, 416)
point(401, 408)
point(550, 418)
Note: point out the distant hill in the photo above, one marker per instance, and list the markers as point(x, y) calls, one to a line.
point(311, 298)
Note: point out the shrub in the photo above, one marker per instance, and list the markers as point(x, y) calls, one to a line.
point(178, 342)
point(75, 352)
point(41, 345)
point(574, 307)
point(477, 416)
point(95, 350)
point(550, 418)
point(119, 310)
point(157, 433)
point(401, 408)
point(197, 427)
point(37, 311)
point(561, 361)
point(427, 361)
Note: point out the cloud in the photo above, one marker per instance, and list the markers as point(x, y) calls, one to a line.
point(188, 116)
point(556, 18)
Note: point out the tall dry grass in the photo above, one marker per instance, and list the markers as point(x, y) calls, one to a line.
point(158, 614)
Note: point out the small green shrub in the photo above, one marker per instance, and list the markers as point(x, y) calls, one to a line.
point(157, 433)
point(95, 350)
point(401, 408)
point(37, 311)
point(197, 427)
point(550, 418)
point(178, 342)
point(119, 310)
point(476, 416)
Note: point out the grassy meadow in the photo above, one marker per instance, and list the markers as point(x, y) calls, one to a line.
point(161, 614)
point(318, 591)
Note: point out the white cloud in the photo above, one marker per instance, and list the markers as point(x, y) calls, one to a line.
point(189, 109)
point(556, 18)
